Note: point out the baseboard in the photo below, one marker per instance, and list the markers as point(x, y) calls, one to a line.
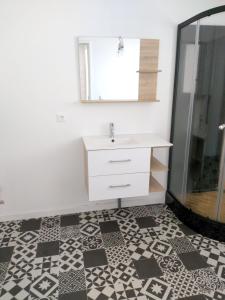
point(159, 198)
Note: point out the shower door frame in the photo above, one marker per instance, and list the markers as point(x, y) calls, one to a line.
point(221, 179)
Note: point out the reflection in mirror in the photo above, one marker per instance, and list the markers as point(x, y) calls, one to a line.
point(118, 69)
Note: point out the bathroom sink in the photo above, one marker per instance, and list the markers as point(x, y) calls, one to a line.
point(118, 141)
point(125, 141)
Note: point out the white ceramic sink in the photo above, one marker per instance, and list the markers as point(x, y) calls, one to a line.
point(118, 141)
point(125, 141)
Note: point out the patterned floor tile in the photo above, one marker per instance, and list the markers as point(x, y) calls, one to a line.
point(71, 261)
point(50, 222)
point(19, 270)
point(156, 210)
point(214, 256)
point(89, 229)
point(117, 254)
point(200, 242)
point(3, 271)
point(102, 293)
point(71, 245)
point(126, 225)
point(181, 245)
point(169, 231)
point(220, 271)
point(140, 211)
point(44, 286)
point(139, 251)
point(71, 281)
point(207, 280)
point(7, 228)
point(16, 289)
point(106, 215)
point(123, 213)
point(8, 240)
point(182, 283)
point(137, 237)
point(28, 237)
point(124, 292)
point(124, 274)
point(69, 232)
point(162, 248)
point(98, 276)
point(171, 264)
point(157, 289)
point(49, 264)
point(86, 217)
point(24, 252)
point(48, 234)
point(214, 295)
point(92, 242)
point(112, 239)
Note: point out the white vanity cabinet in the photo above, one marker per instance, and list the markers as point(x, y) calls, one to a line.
point(118, 173)
point(122, 169)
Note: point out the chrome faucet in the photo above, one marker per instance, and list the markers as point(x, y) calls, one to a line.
point(111, 132)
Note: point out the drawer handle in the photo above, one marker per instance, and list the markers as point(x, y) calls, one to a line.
point(119, 161)
point(119, 186)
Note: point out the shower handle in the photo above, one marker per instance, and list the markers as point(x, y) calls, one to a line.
point(221, 127)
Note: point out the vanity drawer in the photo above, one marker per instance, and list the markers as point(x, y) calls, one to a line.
point(119, 161)
point(118, 186)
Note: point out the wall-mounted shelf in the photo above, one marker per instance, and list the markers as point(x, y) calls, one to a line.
point(155, 186)
point(120, 101)
point(157, 166)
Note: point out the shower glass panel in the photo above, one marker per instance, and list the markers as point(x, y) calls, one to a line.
point(195, 163)
point(208, 114)
point(184, 93)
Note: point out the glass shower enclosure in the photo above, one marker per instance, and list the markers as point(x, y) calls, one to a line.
point(197, 160)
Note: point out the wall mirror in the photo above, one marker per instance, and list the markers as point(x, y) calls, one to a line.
point(118, 69)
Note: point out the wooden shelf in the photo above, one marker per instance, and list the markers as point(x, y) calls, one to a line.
point(157, 166)
point(120, 101)
point(155, 186)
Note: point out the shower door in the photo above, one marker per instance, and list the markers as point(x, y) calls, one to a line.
point(197, 160)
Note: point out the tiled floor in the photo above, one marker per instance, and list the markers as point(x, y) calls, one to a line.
point(132, 253)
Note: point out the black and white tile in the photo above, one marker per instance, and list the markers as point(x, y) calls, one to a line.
point(106, 292)
point(72, 281)
point(137, 253)
point(44, 286)
point(70, 245)
point(69, 232)
point(71, 261)
point(20, 270)
point(112, 239)
point(124, 273)
point(28, 237)
point(98, 276)
point(49, 264)
point(214, 256)
point(89, 229)
point(117, 254)
point(92, 242)
point(16, 289)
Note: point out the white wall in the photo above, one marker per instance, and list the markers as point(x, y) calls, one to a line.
point(41, 161)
